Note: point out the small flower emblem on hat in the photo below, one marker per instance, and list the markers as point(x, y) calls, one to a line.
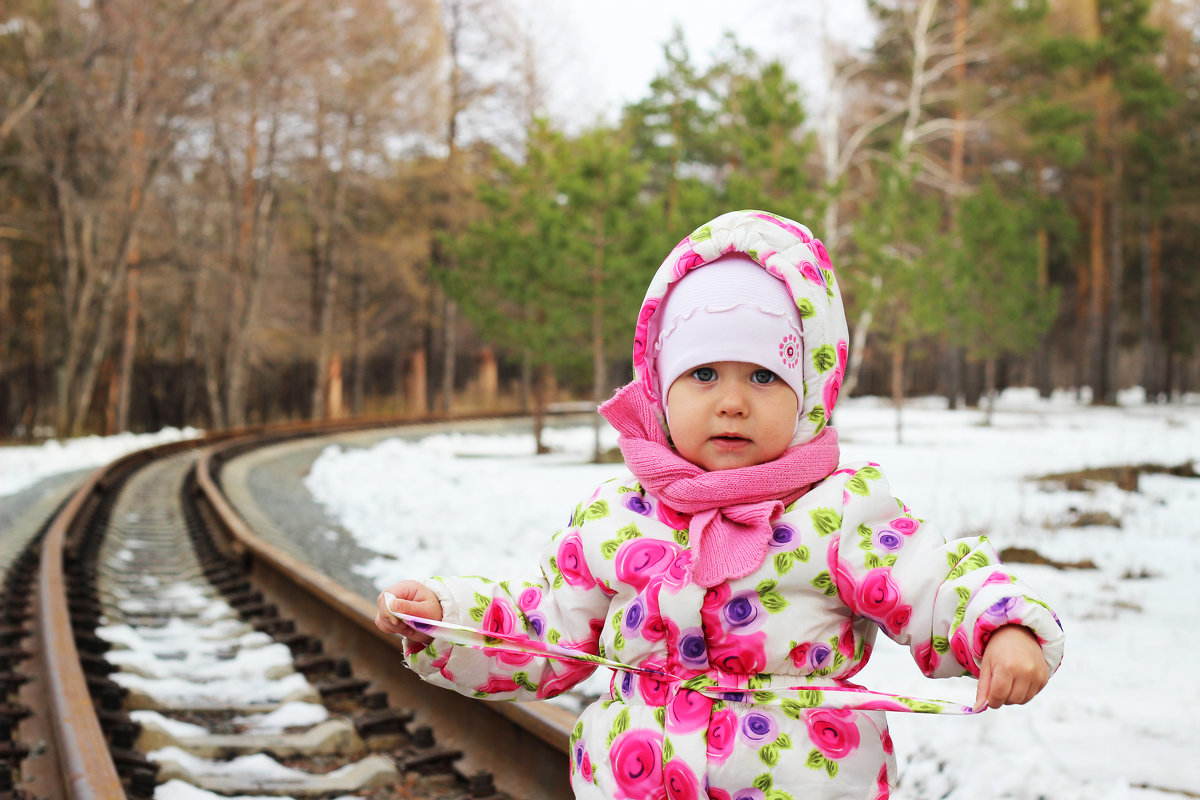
point(789, 351)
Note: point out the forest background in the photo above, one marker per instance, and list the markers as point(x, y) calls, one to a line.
point(223, 212)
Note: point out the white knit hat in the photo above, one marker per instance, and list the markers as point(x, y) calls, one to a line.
point(730, 310)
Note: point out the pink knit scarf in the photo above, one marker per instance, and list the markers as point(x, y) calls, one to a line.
point(731, 509)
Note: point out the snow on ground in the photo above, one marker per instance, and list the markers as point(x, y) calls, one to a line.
point(1117, 721)
point(24, 465)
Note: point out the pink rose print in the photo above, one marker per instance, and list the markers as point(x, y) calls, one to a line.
point(679, 573)
point(881, 783)
point(811, 273)
point(927, 658)
point(846, 640)
point(687, 711)
point(962, 651)
point(637, 765)
point(529, 599)
point(821, 253)
point(722, 733)
point(639, 560)
point(567, 675)
point(789, 351)
point(997, 577)
point(672, 518)
point(791, 228)
point(497, 684)
point(585, 766)
point(653, 690)
point(639, 337)
point(878, 597)
point(833, 386)
point(906, 525)
point(799, 655)
point(887, 742)
point(681, 782)
point(833, 731)
point(687, 261)
point(572, 564)
point(501, 617)
point(739, 654)
point(899, 618)
point(718, 794)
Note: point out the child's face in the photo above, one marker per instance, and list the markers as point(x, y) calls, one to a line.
point(731, 414)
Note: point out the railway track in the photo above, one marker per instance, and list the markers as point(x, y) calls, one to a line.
point(153, 646)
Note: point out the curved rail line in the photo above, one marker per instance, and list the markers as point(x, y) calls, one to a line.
point(522, 746)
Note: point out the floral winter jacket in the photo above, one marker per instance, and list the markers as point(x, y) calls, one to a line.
point(847, 559)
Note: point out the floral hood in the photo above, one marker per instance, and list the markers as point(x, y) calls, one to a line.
point(788, 251)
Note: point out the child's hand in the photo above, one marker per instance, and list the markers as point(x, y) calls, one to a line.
point(1013, 669)
point(412, 598)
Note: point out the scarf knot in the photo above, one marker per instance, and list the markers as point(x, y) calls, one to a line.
point(731, 510)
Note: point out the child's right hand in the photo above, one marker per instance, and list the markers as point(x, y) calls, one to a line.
point(414, 598)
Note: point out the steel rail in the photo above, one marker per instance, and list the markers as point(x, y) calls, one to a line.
point(525, 746)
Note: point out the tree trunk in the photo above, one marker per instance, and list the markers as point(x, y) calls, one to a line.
point(540, 385)
point(599, 377)
point(128, 344)
point(1151, 327)
point(858, 340)
point(6, 325)
point(417, 383)
point(1116, 276)
point(489, 382)
point(1097, 377)
point(897, 350)
point(449, 352)
point(989, 389)
point(358, 389)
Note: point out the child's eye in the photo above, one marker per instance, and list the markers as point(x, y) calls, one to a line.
point(704, 374)
point(763, 376)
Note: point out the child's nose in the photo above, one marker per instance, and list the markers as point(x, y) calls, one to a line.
point(732, 402)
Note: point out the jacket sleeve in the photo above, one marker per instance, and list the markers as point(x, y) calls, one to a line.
point(563, 605)
point(942, 599)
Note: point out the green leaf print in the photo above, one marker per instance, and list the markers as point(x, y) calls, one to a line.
point(815, 760)
point(619, 726)
point(817, 415)
point(522, 678)
point(824, 357)
point(831, 767)
point(784, 742)
point(920, 706)
point(778, 794)
point(769, 755)
point(825, 583)
point(759, 679)
point(955, 556)
point(784, 562)
point(763, 697)
point(668, 751)
point(872, 561)
point(619, 641)
point(978, 560)
point(627, 532)
point(805, 698)
point(699, 682)
point(829, 281)
point(681, 538)
point(941, 644)
point(806, 308)
point(702, 234)
point(802, 553)
point(609, 548)
point(597, 510)
point(773, 602)
point(825, 520)
point(858, 485)
point(552, 636)
point(616, 618)
point(558, 581)
point(660, 716)
point(763, 782)
point(628, 489)
point(480, 607)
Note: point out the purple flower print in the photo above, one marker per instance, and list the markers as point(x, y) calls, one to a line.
point(759, 728)
point(635, 615)
point(693, 653)
point(637, 504)
point(749, 794)
point(888, 540)
point(537, 621)
point(819, 655)
point(626, 683)
point(782, 535)
point(1000, 608)
point(744, 612)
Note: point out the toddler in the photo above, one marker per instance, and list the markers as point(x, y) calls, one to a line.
point(737, 578)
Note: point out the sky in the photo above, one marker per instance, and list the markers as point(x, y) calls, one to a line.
point(604, 55)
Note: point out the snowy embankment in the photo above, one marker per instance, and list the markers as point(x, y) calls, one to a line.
point(22, 466)
point(1117, 721)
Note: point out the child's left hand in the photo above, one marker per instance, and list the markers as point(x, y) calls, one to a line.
point(1013, 668)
